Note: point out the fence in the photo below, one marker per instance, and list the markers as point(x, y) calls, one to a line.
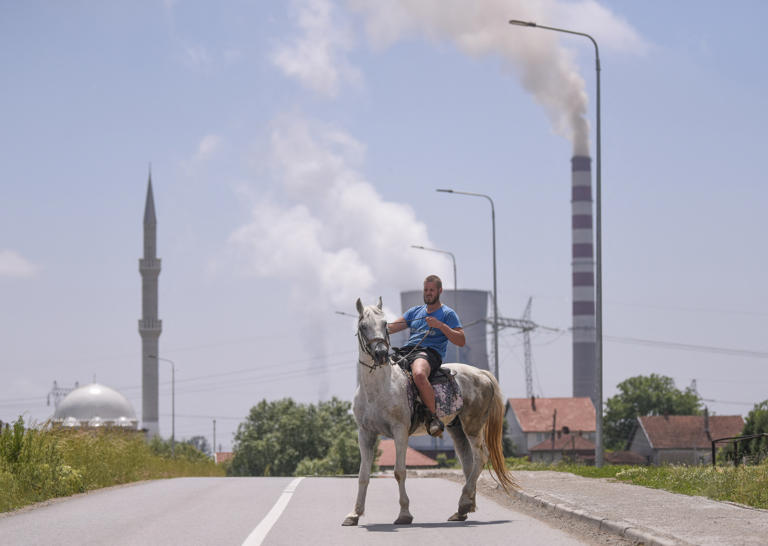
point(735, 441)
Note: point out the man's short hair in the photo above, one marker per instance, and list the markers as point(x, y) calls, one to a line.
point(435, 279)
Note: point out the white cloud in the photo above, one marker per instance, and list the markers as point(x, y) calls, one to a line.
point(317, 57)
point(197, 56)
point(12, 264)
point(208, 147)
point(327, 228)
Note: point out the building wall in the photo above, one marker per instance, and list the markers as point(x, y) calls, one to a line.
point(641, 445)
point(516, 434)
point(683, 456)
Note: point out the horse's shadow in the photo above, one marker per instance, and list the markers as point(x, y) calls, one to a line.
point(392, 528)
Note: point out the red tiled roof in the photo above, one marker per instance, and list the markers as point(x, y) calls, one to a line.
point(413, 458)
point(687, 431)
point(575, 413)
point(223, 456)
point(566, 442)
point(625, 457)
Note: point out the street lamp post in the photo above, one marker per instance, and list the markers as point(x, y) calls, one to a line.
point(495, 301)
point(598, 249)
point(455, 290)
point(173, 401)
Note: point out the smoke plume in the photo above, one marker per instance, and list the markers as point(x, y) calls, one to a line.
point(329, 233)
point(546, 69)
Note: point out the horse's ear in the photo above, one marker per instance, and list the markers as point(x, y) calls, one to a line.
point(380, 304)
point(359, 305)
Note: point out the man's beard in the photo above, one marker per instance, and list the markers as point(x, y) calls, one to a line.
point(434, 300)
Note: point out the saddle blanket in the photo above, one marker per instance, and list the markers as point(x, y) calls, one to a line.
point(448, 399)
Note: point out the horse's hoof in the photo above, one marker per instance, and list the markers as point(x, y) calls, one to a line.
point(404, 520)
point(457, 517)
point(350, 520)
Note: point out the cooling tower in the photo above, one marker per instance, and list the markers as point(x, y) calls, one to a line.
point(584, 338)
point(472, 308)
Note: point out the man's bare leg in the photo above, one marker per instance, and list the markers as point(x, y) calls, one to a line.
point(420, 370)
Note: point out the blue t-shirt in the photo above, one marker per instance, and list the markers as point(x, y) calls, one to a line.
point(415, 317)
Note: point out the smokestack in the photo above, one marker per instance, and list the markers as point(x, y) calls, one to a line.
point(583, 268)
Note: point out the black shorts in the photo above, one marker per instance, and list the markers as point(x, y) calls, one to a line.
point(406, 355)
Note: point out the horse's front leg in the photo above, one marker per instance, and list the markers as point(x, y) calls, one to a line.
point(401, 446)
point(367, 441)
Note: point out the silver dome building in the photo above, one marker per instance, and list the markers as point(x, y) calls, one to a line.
point(95, 405)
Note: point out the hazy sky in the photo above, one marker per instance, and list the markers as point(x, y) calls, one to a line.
point(296, 148)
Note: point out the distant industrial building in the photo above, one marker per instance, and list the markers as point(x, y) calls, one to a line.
point(472, 308)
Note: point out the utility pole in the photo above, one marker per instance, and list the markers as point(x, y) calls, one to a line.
point(526, 326)
point(214, 441)
point(58, 394)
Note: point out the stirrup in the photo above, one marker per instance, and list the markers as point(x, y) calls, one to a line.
point(435, 426)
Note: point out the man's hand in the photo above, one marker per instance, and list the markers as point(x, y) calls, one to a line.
point(432, 322)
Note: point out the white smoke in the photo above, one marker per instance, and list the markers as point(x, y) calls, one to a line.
point(546, 69)
point(327, 227)
point(318, 57)
point(329, 233)
point(13, 264)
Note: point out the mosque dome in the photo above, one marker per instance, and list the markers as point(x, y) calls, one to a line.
point(95, 405)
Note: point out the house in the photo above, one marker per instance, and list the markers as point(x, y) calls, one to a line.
point(413, 458)
point(532, 420)
point(572, 447)
point(681, 439)
point(222, 456)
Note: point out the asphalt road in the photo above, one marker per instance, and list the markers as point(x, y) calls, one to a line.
point(222, 511)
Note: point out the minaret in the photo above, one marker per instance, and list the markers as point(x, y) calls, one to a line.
point(149, 325)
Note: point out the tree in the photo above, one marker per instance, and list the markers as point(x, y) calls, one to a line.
point(200, 443)
point(756, 423)
point(277, 436)
point(640, 396)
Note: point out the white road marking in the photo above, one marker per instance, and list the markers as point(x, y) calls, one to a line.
point(258, 535)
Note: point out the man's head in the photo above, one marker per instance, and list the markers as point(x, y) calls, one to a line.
point(433, 287)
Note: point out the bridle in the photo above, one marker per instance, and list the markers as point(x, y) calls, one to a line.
point(365, 347)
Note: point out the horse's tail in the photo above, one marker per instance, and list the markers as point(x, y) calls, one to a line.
point(494, 428)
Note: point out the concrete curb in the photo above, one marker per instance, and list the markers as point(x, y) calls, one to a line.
point(620, 528)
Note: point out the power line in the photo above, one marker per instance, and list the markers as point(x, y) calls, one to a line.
point(688, 346)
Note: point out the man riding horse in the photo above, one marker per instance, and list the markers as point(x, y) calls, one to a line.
point(432, 325)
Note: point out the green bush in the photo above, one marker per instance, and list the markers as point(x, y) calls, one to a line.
point(42, 463)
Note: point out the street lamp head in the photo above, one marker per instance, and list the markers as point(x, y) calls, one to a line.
point(445, 191)
point(419, 247)
point(522, 23)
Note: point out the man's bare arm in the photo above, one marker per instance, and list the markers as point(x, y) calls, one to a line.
point(397, 326)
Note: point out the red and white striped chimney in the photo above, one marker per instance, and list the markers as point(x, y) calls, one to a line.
point(583, 267)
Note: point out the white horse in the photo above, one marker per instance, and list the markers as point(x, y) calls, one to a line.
point(381, 407)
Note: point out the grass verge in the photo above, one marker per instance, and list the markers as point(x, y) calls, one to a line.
point(37, 464)
point(744, 484)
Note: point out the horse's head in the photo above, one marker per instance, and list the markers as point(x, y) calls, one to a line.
point(372, 332)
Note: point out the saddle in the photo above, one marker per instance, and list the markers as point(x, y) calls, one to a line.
point(448, 399)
